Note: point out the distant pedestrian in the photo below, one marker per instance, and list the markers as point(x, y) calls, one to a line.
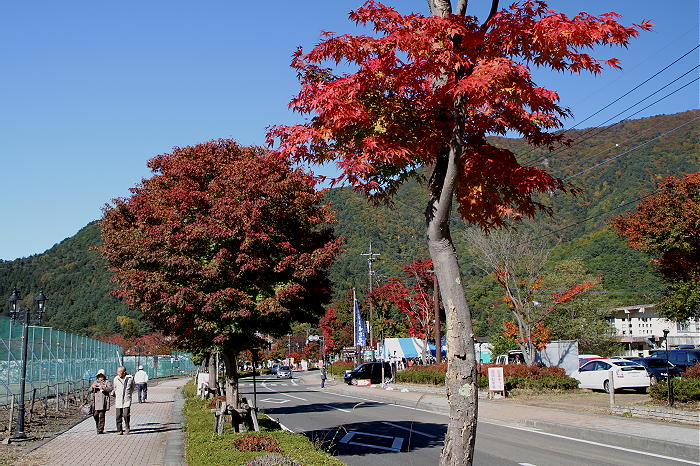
point(123, 387)
point(323, 377)
point(141, 381)
point(99, 399)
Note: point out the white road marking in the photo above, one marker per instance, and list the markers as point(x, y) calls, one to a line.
point(339, 409)
point(396, 443)
point(292, 396)
point(278, 401)
point(603, 445)
point(294, 383)
point(408, 430)
point(526, 464)
point(644, 453)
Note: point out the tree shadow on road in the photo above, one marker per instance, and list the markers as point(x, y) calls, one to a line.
point(372, 437)
point(319, 407)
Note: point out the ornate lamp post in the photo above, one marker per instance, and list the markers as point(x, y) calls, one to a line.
point(16, 312)
point(669, 382)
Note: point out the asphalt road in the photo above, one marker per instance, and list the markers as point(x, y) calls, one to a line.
point(363, 432)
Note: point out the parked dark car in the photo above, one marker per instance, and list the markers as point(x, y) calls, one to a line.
point(681, 358)
point(368, 370)
point(656, 367)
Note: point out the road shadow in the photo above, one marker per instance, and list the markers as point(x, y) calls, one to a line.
point(373, 437)
point(315, 407)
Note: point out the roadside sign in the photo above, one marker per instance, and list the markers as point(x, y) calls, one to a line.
point(364, 382)
point(496, 382)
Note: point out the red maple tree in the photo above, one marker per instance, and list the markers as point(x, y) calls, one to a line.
point(415, 300)
point(223, 241)
point(666, 225)
point(426, 91)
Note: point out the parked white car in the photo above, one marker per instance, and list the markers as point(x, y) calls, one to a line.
point(626, 374)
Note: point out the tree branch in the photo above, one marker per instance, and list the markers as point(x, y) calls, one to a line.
point(494, 9)
point(461, 9)
point(442, 8)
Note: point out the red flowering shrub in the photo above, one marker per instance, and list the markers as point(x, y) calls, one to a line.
point(692, 372)
point(212, 402)
point(251, 442)
point(521, 370)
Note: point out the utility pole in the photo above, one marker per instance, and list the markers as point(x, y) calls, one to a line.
point(437, 330)
point(371, 257)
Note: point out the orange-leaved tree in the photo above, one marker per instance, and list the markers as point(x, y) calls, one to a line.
point(425, 91)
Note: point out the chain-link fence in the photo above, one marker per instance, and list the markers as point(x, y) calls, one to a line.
point(161, 366)
point(53, 357)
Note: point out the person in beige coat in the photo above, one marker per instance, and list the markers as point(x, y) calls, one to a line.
point(99, 399)
point(123, 386)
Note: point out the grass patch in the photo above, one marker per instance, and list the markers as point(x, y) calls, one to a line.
point(203, 447)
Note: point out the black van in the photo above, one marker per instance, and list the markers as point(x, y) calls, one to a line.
point(679, 357)
point(369, 370)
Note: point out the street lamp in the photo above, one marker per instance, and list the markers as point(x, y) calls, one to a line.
point(669, 382)
point(15, 314)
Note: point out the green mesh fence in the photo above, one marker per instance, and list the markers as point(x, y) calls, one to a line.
point(59, 361)
point(53, 357)
point(161, 366)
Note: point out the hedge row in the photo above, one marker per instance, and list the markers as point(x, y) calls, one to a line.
point(685, 389)
point(338, 368)
point(516, 376)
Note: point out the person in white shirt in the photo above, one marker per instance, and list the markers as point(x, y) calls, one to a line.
point(123, 388)
point(141, 381)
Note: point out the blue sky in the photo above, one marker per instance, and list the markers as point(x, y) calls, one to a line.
point(90, 91)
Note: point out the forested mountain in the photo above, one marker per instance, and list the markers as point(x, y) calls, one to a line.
point(76, 280)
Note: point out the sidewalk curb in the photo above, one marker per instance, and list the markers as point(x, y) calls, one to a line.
point(661, 447)
point(174, 454)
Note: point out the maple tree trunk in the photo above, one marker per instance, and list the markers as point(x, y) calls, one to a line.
point(231, 378)
point(460, 380)
point(211, 365)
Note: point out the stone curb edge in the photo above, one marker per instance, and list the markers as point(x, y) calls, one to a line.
point(174, 454)
point(661, 447)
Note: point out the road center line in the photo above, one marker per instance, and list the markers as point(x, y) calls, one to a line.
point(292, 396)
point(413, 431)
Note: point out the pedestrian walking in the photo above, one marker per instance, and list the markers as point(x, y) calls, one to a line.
point(141, 381)
point(323, 377)
point(99, 399)
point(123, 387)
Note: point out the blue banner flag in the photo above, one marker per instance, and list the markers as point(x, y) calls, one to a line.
point(360, 333)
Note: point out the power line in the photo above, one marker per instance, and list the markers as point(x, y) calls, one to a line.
point(593, 216)
point(622, 96)
point(638, 85)
point(633, 149)
point(629, 108)
point(579, 139)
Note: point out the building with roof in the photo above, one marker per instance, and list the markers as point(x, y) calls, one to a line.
point(641, 329)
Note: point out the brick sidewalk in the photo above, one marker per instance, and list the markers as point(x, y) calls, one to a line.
point(150, 424)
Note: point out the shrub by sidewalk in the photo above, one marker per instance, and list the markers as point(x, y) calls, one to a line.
point(203, 447)
point(685, 390)
point(517, 376)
